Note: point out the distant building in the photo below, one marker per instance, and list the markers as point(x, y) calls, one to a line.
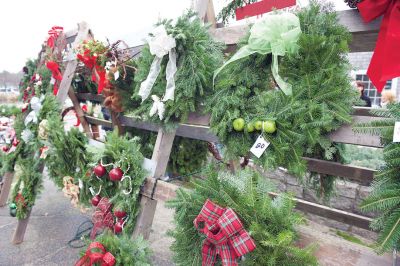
point(360, 63)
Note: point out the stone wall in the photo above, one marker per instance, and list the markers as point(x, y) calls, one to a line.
point(347, 197)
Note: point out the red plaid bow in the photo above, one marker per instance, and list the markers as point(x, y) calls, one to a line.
point(106, 258)
point(225, 234)
point(54, 32)
point(102, 217)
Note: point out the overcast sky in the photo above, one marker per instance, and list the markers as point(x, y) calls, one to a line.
point(24, 23)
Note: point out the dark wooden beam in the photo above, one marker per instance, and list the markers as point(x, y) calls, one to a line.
point(90, 97)
point(360, 175)
point(97, 121)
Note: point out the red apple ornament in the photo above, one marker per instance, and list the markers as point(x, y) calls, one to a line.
point(95, 200)
point(99, 170)
point(119, 213)
point(118, 226)
point(15, 142)
point(116, 174)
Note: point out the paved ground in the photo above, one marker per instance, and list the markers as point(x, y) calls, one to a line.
point(54, 222)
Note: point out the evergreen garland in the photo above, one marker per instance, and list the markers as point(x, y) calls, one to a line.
point(9, 110)
point(271, 222)
point(385, 196)
point(321, 101)
point(198, 55)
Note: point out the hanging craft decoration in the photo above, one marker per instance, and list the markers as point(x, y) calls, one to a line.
point(276, 34)
point(385, 62)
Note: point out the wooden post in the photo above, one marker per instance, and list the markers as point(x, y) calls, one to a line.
point(19, 233)
point(162, 151)
point(116, 123)
point(145, 218)
point(5, 190)
point(83, 33)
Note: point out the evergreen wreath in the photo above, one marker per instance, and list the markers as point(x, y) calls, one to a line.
point(271, 222)
point(126, 251)
point(198, 55)
point(118, 152)
point(299, 123)
point(385, 195)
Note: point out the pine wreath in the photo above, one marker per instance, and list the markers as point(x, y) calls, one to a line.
point(385, 196)
point(320, 103)
point(198, 55)
point(271, 222)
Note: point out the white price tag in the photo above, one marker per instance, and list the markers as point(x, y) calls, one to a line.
point(396, 133)
point(52, 81)
point(116, 75)
point(259, 146)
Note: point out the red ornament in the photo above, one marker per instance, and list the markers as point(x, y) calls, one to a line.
point(15, 142)
point(119, 213)
point(116, 174)
point(118, 227)
point(95, 200)
point(99, 170)
point(6, 148)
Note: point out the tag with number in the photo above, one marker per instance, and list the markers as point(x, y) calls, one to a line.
point(52, 81)
point(116, 75)
point(396, 133)
point(259, 146)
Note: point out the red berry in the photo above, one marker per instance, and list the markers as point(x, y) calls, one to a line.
point(119, 213)
point(116, 174)
point(95, 200)
point(99, 170)
point(118, 226)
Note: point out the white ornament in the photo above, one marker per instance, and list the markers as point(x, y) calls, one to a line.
point(158, 107)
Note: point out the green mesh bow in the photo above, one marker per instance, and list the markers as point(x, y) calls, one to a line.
point(276, 34)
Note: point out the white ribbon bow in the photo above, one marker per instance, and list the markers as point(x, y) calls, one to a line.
point(160, 44)
point(158, 107)
point(36, 105)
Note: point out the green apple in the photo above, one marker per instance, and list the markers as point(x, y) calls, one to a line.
point(258, 125)
point(250, 127)
point(269, 126)
point(238, 124)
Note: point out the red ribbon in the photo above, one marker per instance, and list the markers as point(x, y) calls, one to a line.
point(385, 62)
point(225, 234)
point(55, 70)
point(54, 32)
point(98, 72)
point(90, 258)
point(102, 217)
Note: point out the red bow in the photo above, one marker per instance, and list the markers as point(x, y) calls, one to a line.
point(98, 72)
point(54, 32)
point(225, 234)
point(106, 258)
point(55, 70)
point(385, 63)
point(102, 217)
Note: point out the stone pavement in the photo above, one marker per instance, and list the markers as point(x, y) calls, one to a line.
point(54, 222)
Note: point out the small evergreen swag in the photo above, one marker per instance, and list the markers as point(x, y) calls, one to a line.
point(271, 222)
point(321, 101)
point(126, 251)
point(124, 152)
point(385, 196)
point(198, 55)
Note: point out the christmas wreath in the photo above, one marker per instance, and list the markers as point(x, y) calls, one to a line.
point(113, 179)
point(111, 250)
point(314, 96)
point(385, 196)
point(248, 222)
point(175, 69)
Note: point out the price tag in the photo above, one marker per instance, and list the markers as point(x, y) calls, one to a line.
point(396, 133)
point(259, 146)
point(116, 75)
point(52, 81)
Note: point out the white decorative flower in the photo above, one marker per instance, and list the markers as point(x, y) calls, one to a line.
point(31, 117)
point(36, 104)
